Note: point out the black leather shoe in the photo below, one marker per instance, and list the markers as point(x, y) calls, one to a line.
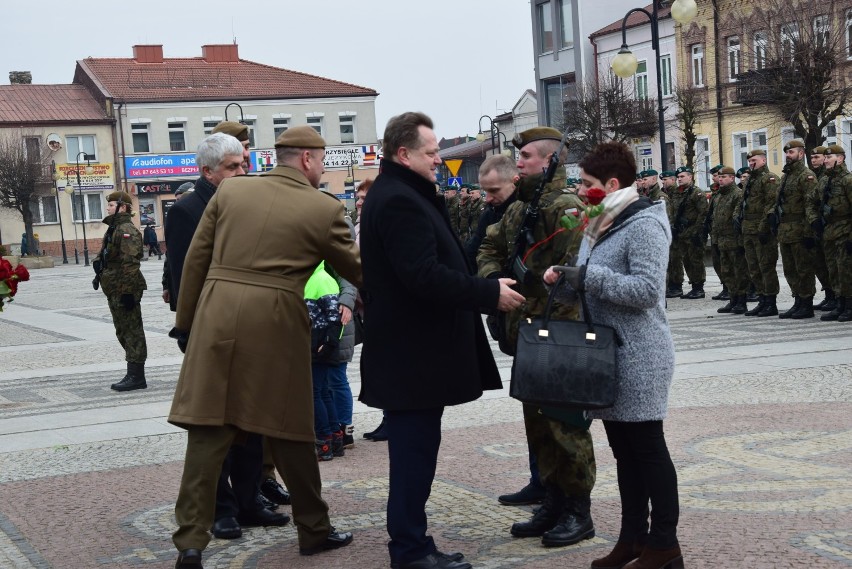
point(263, 517)
point(369, 435)
point(544, 519)
point(572, 528)
point(274, 492)
point(674, 292)
point(526, 496)
point(380, 434)
point(189, 559)
point(266, 502)
point(724, 295)
point(435, 560)
point(227, 528)
point(335, 540)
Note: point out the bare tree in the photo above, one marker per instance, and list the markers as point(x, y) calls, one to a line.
point(22, 169)
point(689, 106)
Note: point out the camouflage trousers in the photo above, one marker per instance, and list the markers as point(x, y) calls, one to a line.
point(839, 265)
point(674, 273)
point(734, 273)
point(128, 330)
point(693, 260)
point(565, 453)
point(798, 264)
point(761, 260)
point(820, 266)
point(717, 260)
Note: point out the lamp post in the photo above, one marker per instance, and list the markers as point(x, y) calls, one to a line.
point(625, 63)
point(242, 116)
point(495, 133)
point(82, 208)
point(55, 175)
point(69, 189)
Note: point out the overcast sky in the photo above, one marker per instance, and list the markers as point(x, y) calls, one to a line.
point(453, 59)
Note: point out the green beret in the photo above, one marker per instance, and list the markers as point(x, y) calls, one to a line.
point(538, 133)
point(640, 175)
point(668, 174)
point(235, 129)
point(742, 171)
point(715, 169)
point(682, 169)
point(299, 137)
point(794, 144)
point(818, 150)
point(726, 170)
point(835, 149)
point(649, 173)
point(120, 197)
point(756, 152)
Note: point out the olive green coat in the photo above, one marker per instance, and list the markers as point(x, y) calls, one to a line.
point(759, 198)
point(797, 205)
point(837, 203)
point(122, 251)
point(693, 212)
point(726, 201)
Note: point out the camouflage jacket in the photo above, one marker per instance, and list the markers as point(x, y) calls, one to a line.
point(474, 211)
point(689, 207)
point(726, 202)
point(499, 245)
point(464, 220)
point(797, 205)
point(758, 202)
point(453, 210)
point(120, 254)
point(837, 203)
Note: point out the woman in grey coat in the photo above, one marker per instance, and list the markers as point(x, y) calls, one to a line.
point(622, 269)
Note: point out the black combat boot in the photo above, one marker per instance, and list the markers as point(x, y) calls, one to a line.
point(740, 305)
point(675, 290)
point(135, 378)
point(724, 295)
point(574, 525)
point(751, 294)
point(792, 310)
point(545, 518)
point(829, 303)
point(835, 314)
point(696, 292)
point(805, 310)
point(756, 310)
point(728, 308)
point(846, 315)
point(770, 308)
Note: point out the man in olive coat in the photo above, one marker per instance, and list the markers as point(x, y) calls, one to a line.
point(419, 292)
point(242, 320)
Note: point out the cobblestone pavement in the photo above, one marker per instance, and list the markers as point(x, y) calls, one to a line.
point(760, 429)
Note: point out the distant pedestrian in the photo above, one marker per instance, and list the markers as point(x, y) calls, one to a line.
point(149, 239)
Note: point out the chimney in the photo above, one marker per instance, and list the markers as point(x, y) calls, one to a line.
point(220, 53)
point(20, 78)
point(148, 53)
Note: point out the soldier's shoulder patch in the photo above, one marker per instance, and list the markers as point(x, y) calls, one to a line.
point(126, 236)
point(810, 177)
point(771, 178)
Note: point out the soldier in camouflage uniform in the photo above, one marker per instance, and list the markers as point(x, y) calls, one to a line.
point(674, 272)
point(464, 220)
point(120, 277)
point(836, 226)
point(560, 442)
point(795, 210)
point(761, 247)
point(708, 223)
point(728, 242)
point(474, 209)
point(650, 185)
point(453, 201)
point(743, 175)
point(690, 208)
point(828, 303)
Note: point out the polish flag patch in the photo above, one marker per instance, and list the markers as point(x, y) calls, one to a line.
point(126, 236)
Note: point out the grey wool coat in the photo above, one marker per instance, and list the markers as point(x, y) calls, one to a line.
point(625, 288)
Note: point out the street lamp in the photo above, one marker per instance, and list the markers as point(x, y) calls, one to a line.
point(242, 117)
point(496, 133)
point(89, 170)
point(625, 63)
point(55, 175)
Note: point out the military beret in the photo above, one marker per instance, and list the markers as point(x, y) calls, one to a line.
point(742, 171)
point(668, 174)
point(120, 197)
point(818, 150)
point(649, 173)
point(185, 187)
point(682, 169)
point(235, 129)
point(726, 170)
point(794, 144)
point(834, 149)
point(756, 152)
point(538, 133)
point(715, 169)
point(299, 137)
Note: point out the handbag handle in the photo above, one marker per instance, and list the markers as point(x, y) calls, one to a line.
point(591, 336)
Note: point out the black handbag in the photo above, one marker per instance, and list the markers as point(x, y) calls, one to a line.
point(566, 364)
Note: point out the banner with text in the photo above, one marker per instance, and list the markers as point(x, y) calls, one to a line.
point(100, 178)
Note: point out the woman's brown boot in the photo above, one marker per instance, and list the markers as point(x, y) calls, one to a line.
point(657, 559)
point(623, 553)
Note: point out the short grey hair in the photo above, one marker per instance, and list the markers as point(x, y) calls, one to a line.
point(503, 165)
point(214, 148)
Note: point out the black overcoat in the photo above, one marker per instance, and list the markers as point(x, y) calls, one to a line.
point(425, 344)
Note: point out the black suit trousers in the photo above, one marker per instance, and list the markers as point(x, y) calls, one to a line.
point(243, 465)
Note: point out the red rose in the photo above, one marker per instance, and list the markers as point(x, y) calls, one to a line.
point(5, 269)
point(595, 195)
point(13, 286)
point(22, 273)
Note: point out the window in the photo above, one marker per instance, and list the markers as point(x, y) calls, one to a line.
point(698, 65)
point(641, 80)
point(250, 125)
point(347, 129)
point(760, 45)
point(91, 204)
point(733, 58)
point(147, 211)
point(554, 103)
point(645, 157)
point(32, 149)
point(315, 122)
point(140, 137)
point(789, 37)
point(702, 163)
point(758, 140)
point(177, 136)
point(81, 143)
point(821, 31)
point(741, 150)
point(209, 126)
point(545, 28)
point(43, 209)
point(787, 134)
point(666, 72)
point(280, 125)
point(830, 134)
point(566, 27)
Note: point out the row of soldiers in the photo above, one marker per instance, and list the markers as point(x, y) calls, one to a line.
point(465, 206)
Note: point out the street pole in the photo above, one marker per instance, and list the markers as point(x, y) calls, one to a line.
point(82, 211)
point(59, 211)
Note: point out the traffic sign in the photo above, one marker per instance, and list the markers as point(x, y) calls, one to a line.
point(453, 166)
point(456, 181)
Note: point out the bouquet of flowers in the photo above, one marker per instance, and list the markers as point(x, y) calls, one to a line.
point(9, 279)
point(575, 218)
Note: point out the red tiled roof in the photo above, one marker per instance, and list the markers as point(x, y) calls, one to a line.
point(194, 78)
point(26, 104)
point(636, 19)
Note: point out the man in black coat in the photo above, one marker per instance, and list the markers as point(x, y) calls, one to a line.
point(418, 291)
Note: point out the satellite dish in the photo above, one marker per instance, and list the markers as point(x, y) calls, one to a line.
point(54, 142)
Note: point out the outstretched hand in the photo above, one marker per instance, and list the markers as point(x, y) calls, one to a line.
point(509, 299)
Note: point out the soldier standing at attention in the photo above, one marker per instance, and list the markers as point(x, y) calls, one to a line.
point(836, 210)
point(708, 223)
point(728, 242)
point(651, 185)
point(743, 175)
point(117, 266)
point(796, 208)
point(674, 272)
point(690, 207)
point(829, 303)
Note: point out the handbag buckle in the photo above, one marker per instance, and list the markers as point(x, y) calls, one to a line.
point(543, 333)
point(591, 337)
